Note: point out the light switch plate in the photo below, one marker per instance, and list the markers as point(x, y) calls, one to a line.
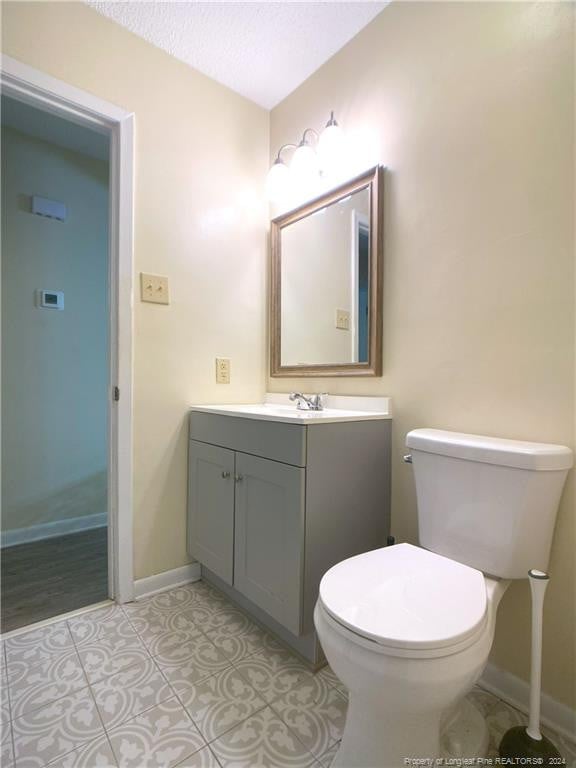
point(154, 288)
point(222, 370)
point(343, 319)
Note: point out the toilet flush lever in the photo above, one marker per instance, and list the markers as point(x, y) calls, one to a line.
point(407, 459)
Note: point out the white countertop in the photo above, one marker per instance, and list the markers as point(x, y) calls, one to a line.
point(277, 407)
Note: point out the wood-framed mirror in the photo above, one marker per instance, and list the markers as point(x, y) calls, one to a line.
point(326, 283)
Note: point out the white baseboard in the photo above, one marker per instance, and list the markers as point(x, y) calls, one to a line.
point(51, 529)
point(515, 691)
point(166, 580)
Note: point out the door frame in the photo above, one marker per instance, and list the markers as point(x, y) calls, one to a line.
point(29, 85)
point(359, 221)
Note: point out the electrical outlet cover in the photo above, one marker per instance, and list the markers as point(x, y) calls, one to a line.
point(343, 319)
point(222, 370)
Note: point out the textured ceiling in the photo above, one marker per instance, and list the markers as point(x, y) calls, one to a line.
point(262, 50)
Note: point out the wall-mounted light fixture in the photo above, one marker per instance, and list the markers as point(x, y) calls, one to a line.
point(308, 161)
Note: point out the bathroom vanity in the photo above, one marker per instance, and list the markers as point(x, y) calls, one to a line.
point(277, 496)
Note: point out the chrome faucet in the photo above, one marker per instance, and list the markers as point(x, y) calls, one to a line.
point(312, 403)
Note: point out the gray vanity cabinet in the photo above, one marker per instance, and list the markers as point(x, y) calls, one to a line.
point(273, 505)
point(211, 507)
point(269, 537)
point(246, 525)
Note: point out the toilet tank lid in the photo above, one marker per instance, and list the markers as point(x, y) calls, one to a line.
point(491, 450)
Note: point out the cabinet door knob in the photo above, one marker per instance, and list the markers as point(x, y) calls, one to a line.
point(225, 475)
point(239, 478)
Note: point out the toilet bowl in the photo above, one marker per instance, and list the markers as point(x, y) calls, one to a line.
point(408, 629)
point(408, 632)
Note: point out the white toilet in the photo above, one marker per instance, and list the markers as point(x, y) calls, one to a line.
point(409, 629)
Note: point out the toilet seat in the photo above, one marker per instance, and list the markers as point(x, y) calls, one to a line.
point(405, 597)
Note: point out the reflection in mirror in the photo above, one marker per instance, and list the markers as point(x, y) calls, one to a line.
point(326, 289)
point(324, 284)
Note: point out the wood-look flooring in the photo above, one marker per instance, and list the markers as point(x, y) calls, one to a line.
point(46, 578)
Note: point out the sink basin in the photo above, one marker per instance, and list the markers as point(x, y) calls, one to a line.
point(339, 408)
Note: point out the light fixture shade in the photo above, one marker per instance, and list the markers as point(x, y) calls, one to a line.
point(330, 147)
point(304, 165)
point(277, 181)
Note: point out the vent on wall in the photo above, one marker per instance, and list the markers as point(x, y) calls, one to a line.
point(50, 209)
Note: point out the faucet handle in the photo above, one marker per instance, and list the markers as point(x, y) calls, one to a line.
point(318, 400)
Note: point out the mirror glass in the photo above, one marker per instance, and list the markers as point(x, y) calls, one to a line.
point(325, 281)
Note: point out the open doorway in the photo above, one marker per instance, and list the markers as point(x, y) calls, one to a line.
point(55, 365)
point(114, 129)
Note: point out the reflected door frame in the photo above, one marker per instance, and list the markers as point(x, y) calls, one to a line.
point(359, 222)
point(33, 87)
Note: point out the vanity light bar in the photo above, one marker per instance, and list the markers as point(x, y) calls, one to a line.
point(307, 161)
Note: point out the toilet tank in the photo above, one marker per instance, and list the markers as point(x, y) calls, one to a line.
point(487, 502)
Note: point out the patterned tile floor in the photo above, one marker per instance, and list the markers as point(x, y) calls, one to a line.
point(181, 679)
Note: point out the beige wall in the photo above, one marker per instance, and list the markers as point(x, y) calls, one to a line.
point(54, 363)
point(470, 107)
point(201, 162)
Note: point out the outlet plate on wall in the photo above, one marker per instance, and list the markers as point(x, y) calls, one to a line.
point(343, 319)
point(154, 288)
point(222, 370)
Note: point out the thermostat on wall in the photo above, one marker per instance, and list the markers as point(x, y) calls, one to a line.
point(51, 299)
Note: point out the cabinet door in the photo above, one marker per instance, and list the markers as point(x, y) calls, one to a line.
point(211, 507)
point(269, 538)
